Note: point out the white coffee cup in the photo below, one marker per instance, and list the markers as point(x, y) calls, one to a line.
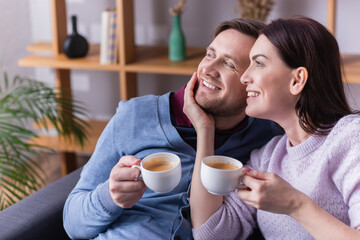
point(221, 175)
point(161, 172)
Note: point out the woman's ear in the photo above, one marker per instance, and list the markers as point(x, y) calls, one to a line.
point(300, 76)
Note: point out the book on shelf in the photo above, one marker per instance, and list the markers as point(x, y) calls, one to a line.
point(109, 37)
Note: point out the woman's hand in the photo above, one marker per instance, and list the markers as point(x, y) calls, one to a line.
point(199, 119)
point(269, 192)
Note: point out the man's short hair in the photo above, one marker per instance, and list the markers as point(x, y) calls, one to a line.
point(246, 26)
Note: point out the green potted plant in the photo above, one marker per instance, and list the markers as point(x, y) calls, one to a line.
point(24, 102)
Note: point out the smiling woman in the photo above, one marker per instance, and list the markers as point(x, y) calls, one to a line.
point(268, 83)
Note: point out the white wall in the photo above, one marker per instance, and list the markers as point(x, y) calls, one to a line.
point(24, 22)
point(15, 34)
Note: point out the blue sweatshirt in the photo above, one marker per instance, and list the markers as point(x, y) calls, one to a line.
point(142, 126)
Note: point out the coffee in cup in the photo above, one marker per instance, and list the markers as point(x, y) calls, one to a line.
point(221, 175)
point(222, 165)
point(161, 172)
point(158, 164)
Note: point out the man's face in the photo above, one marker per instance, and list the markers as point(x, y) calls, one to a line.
point(219, 91)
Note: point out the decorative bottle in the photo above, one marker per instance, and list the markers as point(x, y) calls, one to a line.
point(75, 45)
point(177, 43)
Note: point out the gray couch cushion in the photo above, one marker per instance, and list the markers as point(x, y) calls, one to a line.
point(39, 216)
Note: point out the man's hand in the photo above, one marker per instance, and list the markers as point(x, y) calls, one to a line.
point(198, 117)
point(124, 189)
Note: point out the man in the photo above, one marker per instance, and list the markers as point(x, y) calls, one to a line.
point(108, 203)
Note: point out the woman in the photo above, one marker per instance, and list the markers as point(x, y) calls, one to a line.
point(306, 183)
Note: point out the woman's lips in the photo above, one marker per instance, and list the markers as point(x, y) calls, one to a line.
point(253, 94)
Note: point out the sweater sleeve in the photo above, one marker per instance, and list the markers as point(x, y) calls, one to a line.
point(89, 208)
point(344, 164)
point(233, 220)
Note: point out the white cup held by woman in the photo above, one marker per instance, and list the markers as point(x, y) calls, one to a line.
point(221, 175)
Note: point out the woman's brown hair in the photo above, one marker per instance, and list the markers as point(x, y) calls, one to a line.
point(303, 42)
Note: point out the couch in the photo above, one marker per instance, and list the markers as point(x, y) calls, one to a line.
point(39, 216)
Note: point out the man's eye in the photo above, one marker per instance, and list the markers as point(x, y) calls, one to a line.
point(229, 64)
point(210, 54)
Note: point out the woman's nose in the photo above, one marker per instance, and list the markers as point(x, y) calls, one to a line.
point(244, 79)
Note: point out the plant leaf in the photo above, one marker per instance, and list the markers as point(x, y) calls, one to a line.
point(23, 101)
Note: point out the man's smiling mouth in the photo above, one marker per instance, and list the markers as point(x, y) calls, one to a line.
point(209, 85)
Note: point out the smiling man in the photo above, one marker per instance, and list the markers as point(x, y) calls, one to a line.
point(218, 75)
point(108, 203)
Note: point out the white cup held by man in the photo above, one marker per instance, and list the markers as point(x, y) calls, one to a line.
point(161, 172)
point(221, 175)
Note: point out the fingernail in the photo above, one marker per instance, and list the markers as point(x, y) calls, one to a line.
point(246, 169)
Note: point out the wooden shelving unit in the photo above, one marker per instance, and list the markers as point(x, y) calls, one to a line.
point(351, 61)
point(132, 60)
point(351, 68)
point(149, 59)
point(60, 144)
point(90, 62)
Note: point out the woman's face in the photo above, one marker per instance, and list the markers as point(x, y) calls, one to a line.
point(268, 81)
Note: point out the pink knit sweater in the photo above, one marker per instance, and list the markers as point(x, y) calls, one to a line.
point(326, 168)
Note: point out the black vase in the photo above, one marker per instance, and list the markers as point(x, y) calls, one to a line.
point(75, 45)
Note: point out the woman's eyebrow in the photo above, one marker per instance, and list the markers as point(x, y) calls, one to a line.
point(258, 55)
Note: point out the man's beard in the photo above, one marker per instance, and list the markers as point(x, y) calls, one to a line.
point(218, 107)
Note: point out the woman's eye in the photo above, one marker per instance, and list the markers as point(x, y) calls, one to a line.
point(258, 63)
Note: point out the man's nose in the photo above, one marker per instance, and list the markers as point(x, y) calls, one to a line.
point(211, 69)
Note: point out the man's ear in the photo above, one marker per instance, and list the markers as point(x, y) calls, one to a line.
point(297, 84)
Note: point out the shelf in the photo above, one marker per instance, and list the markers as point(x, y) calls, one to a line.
point(60, 144)
point(154, 59)
point(351, 68)
point(40, 46)
point(148, 59)
point(90, 62)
